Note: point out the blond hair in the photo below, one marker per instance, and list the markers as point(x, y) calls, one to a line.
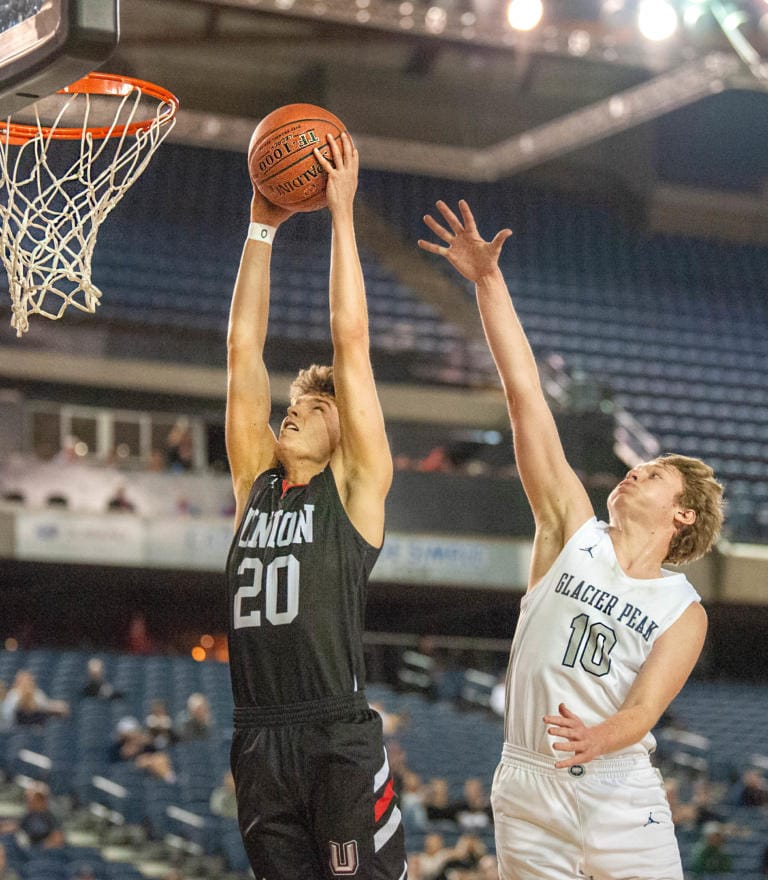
point(703, 494)
point(313, 380)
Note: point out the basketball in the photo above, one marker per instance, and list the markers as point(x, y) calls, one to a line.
point(281, 160)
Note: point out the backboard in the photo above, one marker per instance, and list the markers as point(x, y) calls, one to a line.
point(48, 44)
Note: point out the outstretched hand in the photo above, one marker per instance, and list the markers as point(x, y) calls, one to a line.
point(464, 248)
point(342, 169)
point(583, 741)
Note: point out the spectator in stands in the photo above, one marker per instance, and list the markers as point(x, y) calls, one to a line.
point(179, 447)
point(195, 722)
point(414, 869)
point(138, 639)
point(437, 801)
point(5, 721)
point(703, 803)
point(572, 702)
point(120, 502)
point(473, 812)
point(96, 684)
point(26, 704)
point(754, 790)
point(40, 825)
point(464, 857)
point(133, 743)
point(499, 696)
point(159, 726)
point(157, 462)
point(412, 802)
point(487, 868)
point(682, 813)
point(708, 855)
point(434, 857)
point(6, 871)
point(69, 452)
point(437, 460)
point(223, 800)
point(391, 722)
point(14, 496)
point(398, 762)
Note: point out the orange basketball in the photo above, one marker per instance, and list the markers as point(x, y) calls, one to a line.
point(281, 161)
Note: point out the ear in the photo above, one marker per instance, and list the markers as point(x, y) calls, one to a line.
point(685, 517)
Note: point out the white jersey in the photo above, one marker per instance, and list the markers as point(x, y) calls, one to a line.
point(584, 633)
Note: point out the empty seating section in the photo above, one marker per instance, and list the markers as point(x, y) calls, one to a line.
point(674, 328)
point(439, 740)
point(168, 257)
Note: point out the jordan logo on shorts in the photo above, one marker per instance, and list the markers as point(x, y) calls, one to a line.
point(343, 861)
point(651, 820)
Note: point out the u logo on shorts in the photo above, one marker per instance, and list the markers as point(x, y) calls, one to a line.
point(577, 770)
point(344, 859)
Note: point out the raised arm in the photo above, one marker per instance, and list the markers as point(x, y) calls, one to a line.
point(250, 439)
point(557, 498)
point(362, 465)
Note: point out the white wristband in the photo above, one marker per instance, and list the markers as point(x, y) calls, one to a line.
point(262, 232)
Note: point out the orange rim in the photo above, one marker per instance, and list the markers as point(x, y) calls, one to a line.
point(98, 84)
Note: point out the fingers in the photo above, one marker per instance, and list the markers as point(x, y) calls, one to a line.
point(341, 156)
point(499, 239)
point(350, 150)
point(450, 218)
point(336, 160)
point(439, 230)
point(467, 216)
point(325, 164)
point(432, 248)
point(570, 762)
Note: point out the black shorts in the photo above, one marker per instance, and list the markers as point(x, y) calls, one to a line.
point(315, 795)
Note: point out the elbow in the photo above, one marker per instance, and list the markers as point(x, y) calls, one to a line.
point(352, 333)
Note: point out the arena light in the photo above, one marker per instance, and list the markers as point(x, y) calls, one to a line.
point(524, 15)
point(656, 19)
point(693, 14)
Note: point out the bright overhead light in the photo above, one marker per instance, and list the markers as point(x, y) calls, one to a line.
point(656, 19)
point(524, 15)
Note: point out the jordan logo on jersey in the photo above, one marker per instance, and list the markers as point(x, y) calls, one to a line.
point(588, 550)
point(344, 859)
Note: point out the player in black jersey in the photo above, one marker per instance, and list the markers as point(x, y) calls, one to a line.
point(314, 790)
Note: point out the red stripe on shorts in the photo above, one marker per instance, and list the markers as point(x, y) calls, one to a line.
point(383, 802)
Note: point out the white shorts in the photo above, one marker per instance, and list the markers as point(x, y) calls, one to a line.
point(605, 820)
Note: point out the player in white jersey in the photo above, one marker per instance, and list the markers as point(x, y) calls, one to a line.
point(606, 636)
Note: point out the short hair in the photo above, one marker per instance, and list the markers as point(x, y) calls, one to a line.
point(313, 380)
point(703, 494)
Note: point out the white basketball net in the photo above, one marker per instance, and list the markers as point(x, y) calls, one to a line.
point(51, 217)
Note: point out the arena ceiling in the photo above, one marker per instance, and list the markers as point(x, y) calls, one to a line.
point(454, 91)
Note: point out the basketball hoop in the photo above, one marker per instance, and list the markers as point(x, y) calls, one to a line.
point(52, 204)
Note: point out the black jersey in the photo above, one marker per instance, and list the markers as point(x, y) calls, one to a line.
point(297, 576)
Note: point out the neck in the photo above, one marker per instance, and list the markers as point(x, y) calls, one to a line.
point(640, 552)
point(300, 472)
